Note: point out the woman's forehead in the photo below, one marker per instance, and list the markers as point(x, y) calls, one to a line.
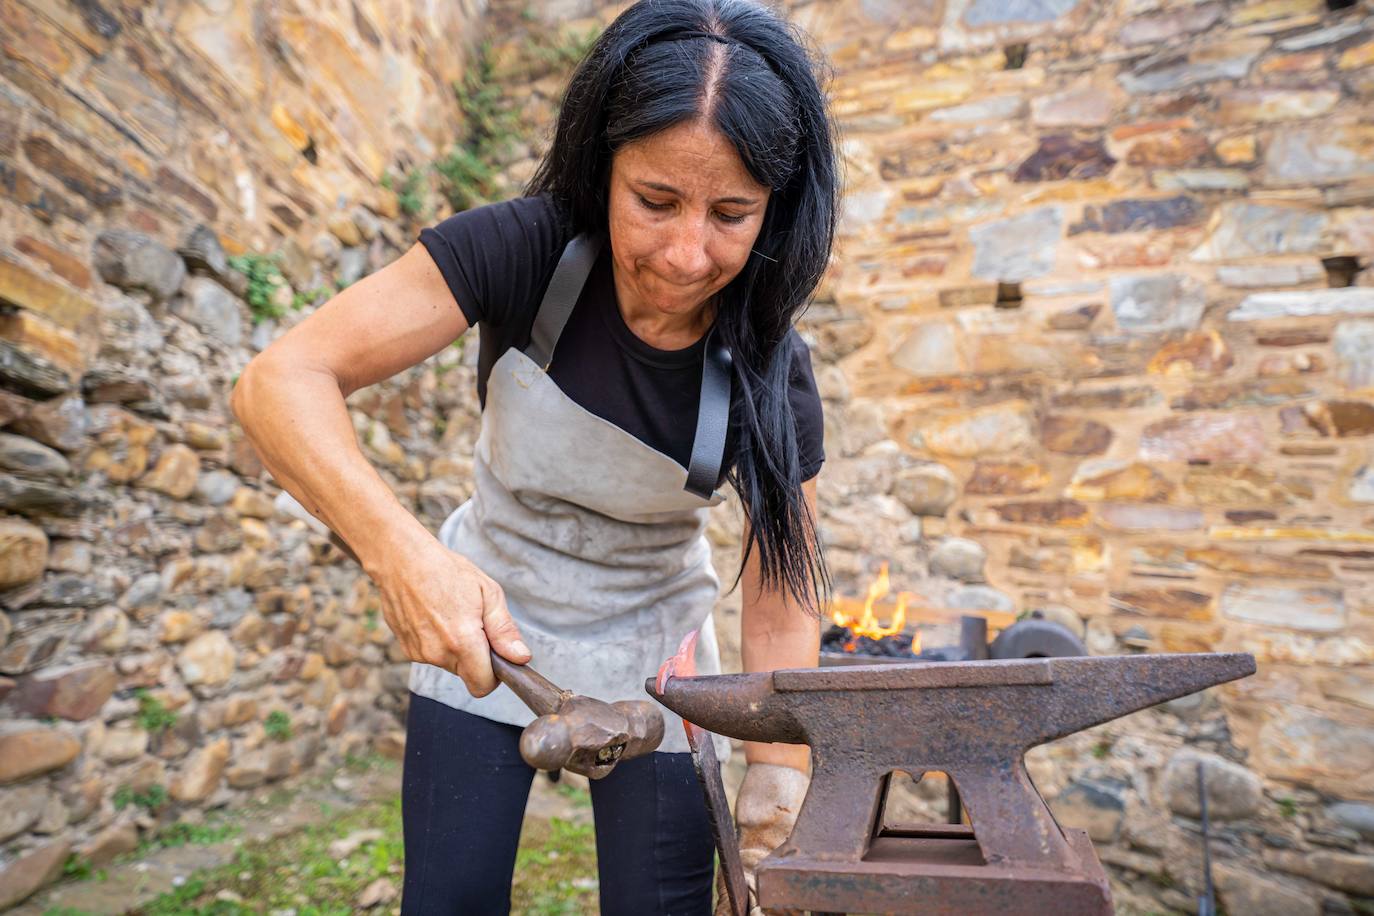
point(687, 157)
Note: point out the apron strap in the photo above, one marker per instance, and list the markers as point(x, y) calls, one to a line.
point(713, 414)
point(713, 419)
point(564, 287)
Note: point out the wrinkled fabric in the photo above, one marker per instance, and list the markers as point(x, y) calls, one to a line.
point(601, 552)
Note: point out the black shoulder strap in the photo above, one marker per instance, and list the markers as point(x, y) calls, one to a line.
point(713, 414)
point(561, 296)
point(713, 419)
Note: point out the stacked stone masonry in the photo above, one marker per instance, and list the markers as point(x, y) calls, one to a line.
point(169, 641)
point(1097, 341)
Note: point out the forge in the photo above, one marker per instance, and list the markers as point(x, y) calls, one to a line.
point(973, 721)
point(858, 635)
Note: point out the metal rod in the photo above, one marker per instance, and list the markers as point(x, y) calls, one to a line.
point(1207, 904)
point(973, 636)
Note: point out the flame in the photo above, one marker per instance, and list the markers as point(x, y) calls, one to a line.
point(866, 623)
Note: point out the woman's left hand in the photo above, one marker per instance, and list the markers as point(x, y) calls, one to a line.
point(765, 811)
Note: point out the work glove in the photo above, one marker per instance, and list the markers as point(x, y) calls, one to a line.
point(765, 810)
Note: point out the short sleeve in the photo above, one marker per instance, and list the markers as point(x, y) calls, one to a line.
point(806, 410)
point(494, 258)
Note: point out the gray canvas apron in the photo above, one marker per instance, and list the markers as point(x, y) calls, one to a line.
point(597, 538)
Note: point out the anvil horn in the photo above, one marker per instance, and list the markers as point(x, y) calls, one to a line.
point(743, 706)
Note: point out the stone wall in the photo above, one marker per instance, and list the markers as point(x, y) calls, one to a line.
point(1081, 352)
point(168, 640)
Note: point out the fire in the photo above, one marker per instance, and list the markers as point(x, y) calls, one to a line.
point(866, 623)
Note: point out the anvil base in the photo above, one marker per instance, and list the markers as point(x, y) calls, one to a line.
point(935, 870)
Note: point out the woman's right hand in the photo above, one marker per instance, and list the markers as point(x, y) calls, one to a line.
point(448, 613)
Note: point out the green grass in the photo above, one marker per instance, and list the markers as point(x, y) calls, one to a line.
point(295, 871)
point(175, 835)
point(580, 798)
point(365, 763)
point(555, 871)
point(78, 868)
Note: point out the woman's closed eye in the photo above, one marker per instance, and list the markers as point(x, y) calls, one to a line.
point(656, 207)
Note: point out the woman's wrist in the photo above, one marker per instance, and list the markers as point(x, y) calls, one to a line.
point(796, 756)
point(383, 545)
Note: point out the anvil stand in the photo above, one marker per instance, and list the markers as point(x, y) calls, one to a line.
point(973, 721)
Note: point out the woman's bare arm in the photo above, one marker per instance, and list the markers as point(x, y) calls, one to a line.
point(290, 398)
point(290, 402)
point(775, 632)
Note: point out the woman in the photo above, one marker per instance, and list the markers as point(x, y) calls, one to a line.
point(687, 206)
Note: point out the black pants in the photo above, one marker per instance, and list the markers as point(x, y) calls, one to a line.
point(463, 798)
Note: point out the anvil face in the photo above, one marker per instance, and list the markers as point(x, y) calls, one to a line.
point(971, 720)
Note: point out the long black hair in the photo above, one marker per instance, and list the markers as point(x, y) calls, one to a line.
point(734, 62)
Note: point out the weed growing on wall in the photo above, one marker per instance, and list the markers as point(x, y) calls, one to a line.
point(264, 280)
point(410, 191)
point(150, 799)
point(468, 174)
point(277, 725)
point(153, 716)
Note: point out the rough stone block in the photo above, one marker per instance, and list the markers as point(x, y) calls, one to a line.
point(76, 693)
point(1095, 805)
point(1156, 302)
point(132, 260)
point(29, 751)
point(1233, 792)
point(1318, 610)
point(32, 870)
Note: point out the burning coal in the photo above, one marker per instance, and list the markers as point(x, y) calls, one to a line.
point(864, 634)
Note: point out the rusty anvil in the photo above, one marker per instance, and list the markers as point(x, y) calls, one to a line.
point(973, 721)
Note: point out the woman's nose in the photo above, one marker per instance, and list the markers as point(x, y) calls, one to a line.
point(685, 252)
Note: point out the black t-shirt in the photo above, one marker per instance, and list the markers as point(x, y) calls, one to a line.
point(497, 261)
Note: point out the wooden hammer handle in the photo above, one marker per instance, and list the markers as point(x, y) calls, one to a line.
point(540, 694)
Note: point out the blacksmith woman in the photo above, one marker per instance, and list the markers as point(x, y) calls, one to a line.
point(691, 189)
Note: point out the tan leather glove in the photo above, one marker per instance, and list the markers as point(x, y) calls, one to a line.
point(765, 810)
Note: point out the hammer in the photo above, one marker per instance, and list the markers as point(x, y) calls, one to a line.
point(572, 732)
point(578, 733)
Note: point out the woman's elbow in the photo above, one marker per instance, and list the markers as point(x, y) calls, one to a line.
point(241, 398)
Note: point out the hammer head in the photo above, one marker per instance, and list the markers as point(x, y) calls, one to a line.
point(590, 737)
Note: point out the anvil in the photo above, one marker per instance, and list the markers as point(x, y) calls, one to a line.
point(973, 721)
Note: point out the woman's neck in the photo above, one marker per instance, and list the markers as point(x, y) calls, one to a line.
point(660, 331)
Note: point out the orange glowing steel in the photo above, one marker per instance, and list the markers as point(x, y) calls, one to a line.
point(866, 622)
